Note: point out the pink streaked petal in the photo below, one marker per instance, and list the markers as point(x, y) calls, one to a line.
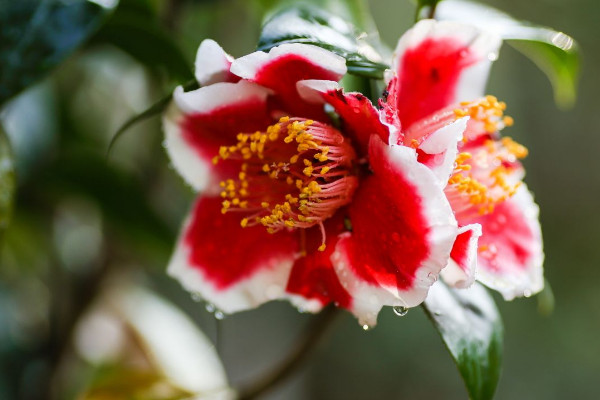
point(198, 122)
point(212, 64)
point(284, 66)
point(510, 249)
point(402, 232)
point(460, 271)
point(437, 64)
point(313, 282)
point(439, 149)
point(359, 117)
point(232, 267)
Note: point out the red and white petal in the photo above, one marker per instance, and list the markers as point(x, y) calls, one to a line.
point(232, 267)
point(439, 149)
point(212, 64)
point(313, 282)
point(461, 269)
point(284, 66)
point(510, 249)
point(197, 123)
point(402, 232)
point(359, 117)
point(436, 64)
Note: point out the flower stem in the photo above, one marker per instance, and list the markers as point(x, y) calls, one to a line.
point(316, 330)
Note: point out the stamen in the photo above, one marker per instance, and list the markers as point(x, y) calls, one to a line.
point(295, 174)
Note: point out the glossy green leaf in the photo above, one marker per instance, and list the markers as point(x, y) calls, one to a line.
point(135, 29)
point(470, 326)
point(7, 181)
point(310, 25)
point(425, 9)
point(36, 35)
point(555, 53)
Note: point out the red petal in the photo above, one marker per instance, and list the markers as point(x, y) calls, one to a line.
point(202, 120)
point(313, 277)
point(461, 270)
point(233, 267)
point(283, 67)
point(510, 249)
point(438, 64)
point(360, 118)
point(402, 233)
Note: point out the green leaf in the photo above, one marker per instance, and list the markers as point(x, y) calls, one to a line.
point(7, 181)
point(310, 25)
point(36, 35)
point(555, 53)
point(136, 30)
point(425, 9)
point(470, 326)
point(157, 108)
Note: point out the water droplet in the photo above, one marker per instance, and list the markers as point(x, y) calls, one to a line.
point(210, 307)
point(219, 315)
point(527, 293)
point(492, 56)
point(400, 311)
point(366, 327)
point(437, 313)
point(196, 297)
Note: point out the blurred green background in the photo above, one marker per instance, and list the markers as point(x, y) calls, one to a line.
point(78, 219)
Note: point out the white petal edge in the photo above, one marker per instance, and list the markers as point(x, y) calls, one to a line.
point(212, 63)
point(444, 142)
point(247, 66)
point(456, 276)
point(368, 299)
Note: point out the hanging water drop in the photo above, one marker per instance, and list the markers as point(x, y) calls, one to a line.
point(210, 307)
point(196, 297)
point(527, 293)
point(219, 315)
point(366, 327)
point(400, 311)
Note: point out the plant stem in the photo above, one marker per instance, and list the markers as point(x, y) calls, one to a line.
point(320, 325)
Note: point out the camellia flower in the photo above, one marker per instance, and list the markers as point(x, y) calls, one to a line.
point(295, 204)
point(438, 75)
point(359, 209)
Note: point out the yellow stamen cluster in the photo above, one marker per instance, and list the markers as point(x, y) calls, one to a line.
point(492, 188)
point(305, 173)
point(488, 111)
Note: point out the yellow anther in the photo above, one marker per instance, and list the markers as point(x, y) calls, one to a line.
point(266, 168)
point(325, 170)
point(308, 171)
point(284, 119)
point(322, 247)
point(294, 158)
point(244, 222)
point(215, 160)
point(290, 223)
point(508, 121)
point(264, 204)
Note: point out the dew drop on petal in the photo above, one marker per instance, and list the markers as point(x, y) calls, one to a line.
point(210, 307)
point(219, 315)
point(492, 56)
point(527, 293)
point(366, 327)
point(400, 311)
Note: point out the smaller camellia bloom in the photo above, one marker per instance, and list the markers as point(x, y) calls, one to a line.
point(295, 204)
point(438, 76)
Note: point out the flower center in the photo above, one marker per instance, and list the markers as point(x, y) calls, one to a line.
point(295, 174)
point(488, 177)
